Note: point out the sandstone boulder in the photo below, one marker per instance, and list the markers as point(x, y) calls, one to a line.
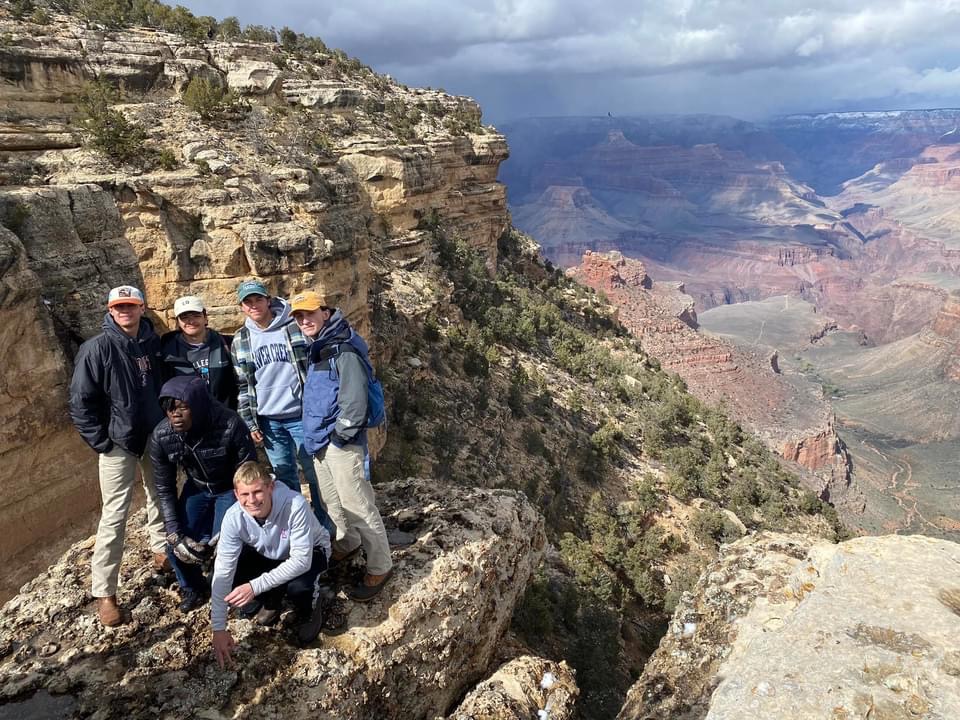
point(526, 687)
point(409, 654)
point(787, 626)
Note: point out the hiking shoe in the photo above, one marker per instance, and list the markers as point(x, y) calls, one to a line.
point(267, 616)
point(250, 609)
point(109, 612)
point(337, 558)
point(370, 587)
point(190, 599)
point(161, 563)
point(309, 629)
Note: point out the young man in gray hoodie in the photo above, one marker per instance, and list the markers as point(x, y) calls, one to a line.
point(271, 545)
point(269, 354)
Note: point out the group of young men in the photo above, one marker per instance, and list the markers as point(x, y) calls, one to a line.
point(294, 379)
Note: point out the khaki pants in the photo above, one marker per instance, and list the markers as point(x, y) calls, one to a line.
point(348, 499)
point(118, 470)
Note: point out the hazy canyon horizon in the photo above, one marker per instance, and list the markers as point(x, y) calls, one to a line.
point(802, 271)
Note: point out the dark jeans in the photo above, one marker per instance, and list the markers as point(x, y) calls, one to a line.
point(200, 514)
point(303, 590)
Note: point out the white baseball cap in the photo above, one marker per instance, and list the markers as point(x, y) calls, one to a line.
point(188, 303)
point(125, 295)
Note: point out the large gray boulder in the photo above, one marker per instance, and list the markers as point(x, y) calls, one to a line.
point(788, 626)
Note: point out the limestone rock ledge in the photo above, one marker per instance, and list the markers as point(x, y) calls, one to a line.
point(789, 626)
point(520, 690)
point(409, 654)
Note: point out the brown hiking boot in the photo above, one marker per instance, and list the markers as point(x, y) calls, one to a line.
point(161, 563)
point(370, 587)
point(109, 611)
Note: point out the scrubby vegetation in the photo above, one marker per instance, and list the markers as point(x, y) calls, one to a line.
point(604, 446)
point(109, 131)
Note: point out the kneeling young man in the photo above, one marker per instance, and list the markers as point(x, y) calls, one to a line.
point(271, 545)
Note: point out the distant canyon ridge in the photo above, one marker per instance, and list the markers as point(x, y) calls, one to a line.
point(852, 216)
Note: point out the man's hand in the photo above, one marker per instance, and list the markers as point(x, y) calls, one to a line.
point(257, 437)
point(241, 595)
point(189, 551)
point(222, 645)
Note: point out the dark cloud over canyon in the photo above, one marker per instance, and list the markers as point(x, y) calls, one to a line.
point(539, 57)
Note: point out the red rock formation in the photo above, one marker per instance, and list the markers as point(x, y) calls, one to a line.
point(794, 424)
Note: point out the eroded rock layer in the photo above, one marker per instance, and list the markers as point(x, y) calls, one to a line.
point(796, 423)
point(786, 626)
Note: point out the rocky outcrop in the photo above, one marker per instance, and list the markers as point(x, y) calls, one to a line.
point(526, 687)
point(298, 190)
point(788, 626)
point(410, 654)
point(796, 425)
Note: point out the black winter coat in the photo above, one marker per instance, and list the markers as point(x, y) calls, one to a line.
point(210, 452)
point(220, 374)
point(115, 386)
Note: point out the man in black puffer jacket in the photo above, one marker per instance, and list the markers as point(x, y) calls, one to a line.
point(209, 441)
point(114, 406)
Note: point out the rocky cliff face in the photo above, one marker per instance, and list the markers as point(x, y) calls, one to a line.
point(785, 626)
point(298, 190)
point(412, 653)
point(796, 424)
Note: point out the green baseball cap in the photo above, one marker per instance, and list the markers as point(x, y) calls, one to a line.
point(251, 287)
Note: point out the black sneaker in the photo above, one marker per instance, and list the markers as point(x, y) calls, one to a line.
point(190, 599)
point(250, 609)
point(267, 616)
point(309, 629)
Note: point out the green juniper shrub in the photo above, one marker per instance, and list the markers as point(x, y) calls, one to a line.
point(229, 28)
point(167, 159)
point(109, 131)
point(20, 9)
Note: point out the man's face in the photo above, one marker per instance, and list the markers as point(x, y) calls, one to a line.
point(256, 499)
point(193, 324)
point(257, 308)
point(311, 323)
point(127, 316)
point(180, 416)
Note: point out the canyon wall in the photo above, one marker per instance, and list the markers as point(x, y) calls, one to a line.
point(794, 422)
point(309, 187)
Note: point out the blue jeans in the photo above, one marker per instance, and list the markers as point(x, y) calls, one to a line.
point(200, 514)
point(283, 441)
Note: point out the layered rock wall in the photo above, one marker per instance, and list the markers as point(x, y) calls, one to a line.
point(298, 190)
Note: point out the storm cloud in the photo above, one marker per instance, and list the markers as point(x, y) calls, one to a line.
point(540, 57)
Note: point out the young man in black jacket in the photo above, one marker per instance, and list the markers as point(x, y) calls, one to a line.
point(194, 349)
point(114, 405)
point(209, 441)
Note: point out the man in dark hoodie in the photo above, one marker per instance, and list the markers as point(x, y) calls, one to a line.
point(334, 427)
point(194, 349)
point(114, 406)
point(209, 442)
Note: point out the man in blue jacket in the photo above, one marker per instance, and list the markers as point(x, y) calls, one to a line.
point(209, 442)
point(114, 405)
point(334, 427)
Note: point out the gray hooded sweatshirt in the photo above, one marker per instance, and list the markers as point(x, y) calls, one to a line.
point(279, 391)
